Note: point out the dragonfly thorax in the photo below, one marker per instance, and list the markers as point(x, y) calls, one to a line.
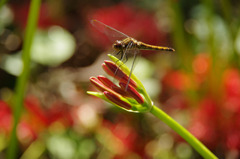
point(125, 43)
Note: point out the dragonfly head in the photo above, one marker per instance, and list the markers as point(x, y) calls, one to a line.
point(118, 45)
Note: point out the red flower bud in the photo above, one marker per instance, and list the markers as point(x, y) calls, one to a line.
point(107, 70)
point(106, 81)
point(112, 86)
point(116, 70)
point(113, 70)
point(117, 100)
point(120, 91)
point(132, 92)
point(124, 95)
point(98, 84)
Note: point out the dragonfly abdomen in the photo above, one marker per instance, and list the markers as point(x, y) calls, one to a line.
point(144, 46)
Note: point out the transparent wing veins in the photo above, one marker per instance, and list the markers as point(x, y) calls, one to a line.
point(109, 31)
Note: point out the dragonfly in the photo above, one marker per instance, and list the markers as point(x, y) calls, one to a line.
point(125, 45)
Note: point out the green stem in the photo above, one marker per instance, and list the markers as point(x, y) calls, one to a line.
point(180, 41)
point(196, 144)
point(23, 78)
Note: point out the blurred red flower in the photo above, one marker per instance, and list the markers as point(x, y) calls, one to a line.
point(204, 122)
point(138, 24)
point(176, 80)
point(26, 133)
point(129, 138)
point(46, 18)
point(231, 79)
point(57, 112)
point(5, 117)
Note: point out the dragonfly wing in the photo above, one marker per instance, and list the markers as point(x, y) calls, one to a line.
point(112, 34)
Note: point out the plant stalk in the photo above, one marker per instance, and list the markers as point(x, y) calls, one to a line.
point(21, 83)
point(193, 141)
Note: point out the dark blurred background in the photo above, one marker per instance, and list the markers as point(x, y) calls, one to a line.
point(198, 85)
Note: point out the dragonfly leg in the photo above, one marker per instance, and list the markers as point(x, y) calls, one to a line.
point(120, 59)
point(129, 78)
point(124, 59)
point(120, 52)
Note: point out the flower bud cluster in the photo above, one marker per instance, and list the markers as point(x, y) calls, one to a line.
point(129, 94)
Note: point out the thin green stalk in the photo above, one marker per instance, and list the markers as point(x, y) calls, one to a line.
point(196, 144)
point(179, 36)
point(23, 78)
point(232, 27)
point(226, 9)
